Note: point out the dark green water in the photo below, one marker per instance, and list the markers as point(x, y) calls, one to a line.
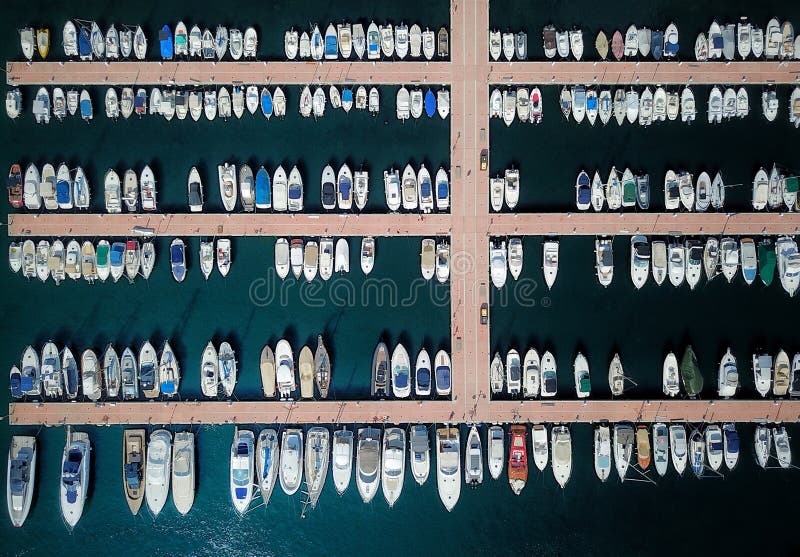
point(587, 518)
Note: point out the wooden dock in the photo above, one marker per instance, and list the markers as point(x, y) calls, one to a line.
point(469, 225)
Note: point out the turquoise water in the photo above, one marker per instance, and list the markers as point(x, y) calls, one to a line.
point(587, 518)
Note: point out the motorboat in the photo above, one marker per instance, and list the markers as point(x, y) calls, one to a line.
point(20, 477)
point(640, 260)
point(291, 461)
point(227, 368)
point(495, 451)
point(177, 259)
point(367, 254)
point(730, 445)
point(401, 372)
point(91, 380)
point(781, 377)
point(442, 373)
point(714, 446)
point(604, 260)
point(285, 369)
point(549, 380)
point(693, 252)
point(183, 471)
point(550, 261)
point(670, 377)
point(517, 458)
point(158, 470)
point(697, 453)
point(393, 464)
point(660, 448)
point(515, 257)
point(448, 466)
point(602, 452)
point(75, 476)
point(368, 462)
point(788, 260)
point(583, 385)
point(242, 462)
point(419, 453)
point(616, 376)
point(342, 459)
point(498, 265)
point(133, 467)
point(783, 451)
point(513, 372)
point(423, 378)
point(729, 257)
point(623, 448)
point(228, 189)
point(561, 443)
point(531, 374)
point(148, 369)
point(583, 191)
point(728, 375)
point(643, 451)
point(676, 263)
point(691, 377)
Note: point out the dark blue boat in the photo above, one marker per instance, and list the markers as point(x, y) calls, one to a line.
point(63, 193)
point(263, 193)
point(84, 44)
point(657, 44)
point(165, 38)
point(15, 380)
point(266, 102)
point(177, 260)
point(430, 103)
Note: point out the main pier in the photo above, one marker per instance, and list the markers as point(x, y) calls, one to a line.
point(469, 226)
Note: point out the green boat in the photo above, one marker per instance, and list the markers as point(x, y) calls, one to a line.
point(690, 373)
point(766, 261)
point(628, 192)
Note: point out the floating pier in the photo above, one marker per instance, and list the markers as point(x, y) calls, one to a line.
point(469, 225)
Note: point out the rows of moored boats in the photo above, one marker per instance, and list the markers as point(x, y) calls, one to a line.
point(413, 103)
point(58, 374)
point(504, 190)
point(260, 461)
point(774, 191)
point(391, 373)
point(679, 260)
point(536, 376)
point(103, 260)
point(64, 189)
point(664, 104)
point(722, 42)
point(342, 40)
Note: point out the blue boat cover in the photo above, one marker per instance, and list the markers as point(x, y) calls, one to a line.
point(430, 103)
point(241, 449)
point(16, 385)
point(733, 441)
point(176, 254)
point(717, 41)
point(294, 192)
point(266, 102)
point(401, 380)
point(671, 49)
point(331, 48)
point(27, 383)
point(591, 103)
point(425, 189)
point(138, 101)
point(443, 378)
point(344, 188)
point(86, 108)
point(657, 44)
point(63, 191)
point(241, 492)
point(262, 187)
point(442, 190)
point(583, 179)
point(84, 45)
point(117, 251)
point(424, 377)
point(168, 387)
point(584, 194)
point(347, 95)
point(165, 38)
point(132, 475)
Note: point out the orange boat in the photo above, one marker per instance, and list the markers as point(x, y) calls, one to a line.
point(15, 186)
point(643, 446)
point(518, 459)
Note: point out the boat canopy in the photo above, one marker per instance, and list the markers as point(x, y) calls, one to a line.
point(176, 254)
point(690, 371)
point(584, 194)
point(424, 378)
point(629, 192)
point(63, 192)
point(194, 194)
point(132, 478)
point(792, 184)
point(443, 377)
point(733, 441)
point(430, 103)
point(84, 45)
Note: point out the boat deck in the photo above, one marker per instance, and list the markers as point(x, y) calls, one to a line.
point(469, 225)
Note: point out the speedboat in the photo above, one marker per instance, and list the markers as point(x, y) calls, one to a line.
point(401, 372)
point(783, 451)
point(393, 459)
point(540, 448)
point(305, 370)
point(562, 454)
point(604, 260)
point(168, 371)
point(496, 374)
point(714, 446)
point(780, 382)
point(660, 448)
point(550, 262)
point(515, 257)
point(602, 452)
point(642, 447)
point(423, 378)
point(367, 254)
point(513, 372)
point(285, 373)
point(209, 371)
point(228, 189)
point(583, 191)
point(749, 259)
point(676, 263)
point(762, 445)
point(670, 378)
point(291, 458)
point(729, 257)
point(730, 445)
point(448, 466)
point(419, 453)
point(183, 472)
point(616, 376)
point(342, 459)
point(133, 467)
point(613, 193)
point(728, 376)
point(242, 459)
point(498, 266)
point(583, 385)
point(90, 375)
point(148, 369)
point(20, 477)
point(368, 462)
point(549, 380)
point(226, 368)
point(697, 453)
point(75, 475)
point(678, 447)
point(342, 258)
point(495, 451)
point(640, 260)
point(517, 458)
point(158, 470)
point(788, 260)
point(177, 259)
point(693, 251)
point(442, 370)
point(531, 374)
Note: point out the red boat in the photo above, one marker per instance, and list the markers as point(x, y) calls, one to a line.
point(617, 45)
point(15, 186)
point(518, 459)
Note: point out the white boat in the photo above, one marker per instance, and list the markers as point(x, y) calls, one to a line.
point(147, 189)
point(328, 188)
point(317, 456)
point(714, 446)
point(75, 476)
point(676, 263)
point(387, 40)
point(604, 260)
point(602, 452)
point(678, 447)
point(496, 193)
point(393, 460)
point(291, 461)
point(539, 442)
point(550, 262)
point(242, 460)
point(209, 371)
point(762, 445)
point(576, 43)
point(513, 372)
point(20, 477)
point(783, 451)
point(562, 454)
point(640, 260)
point(583, 384)
point(729, 257)
point(158, 470)
point(342, 258)
point(515, 257)
point(360, 40)
point(342, 459)
point(623, 448)
point(226, 368)
point(41, 260)
point(111, 370)
point(661, 448)
point(368, 462)
point(251, 43)
point(728, 376)
point(498, 265)
point(495, 451)
point(310, 260)
point(425, 190)
point(693, 253)
point(762, 373)
point(448, 466)
point(549, 380)
point(367, 254)
point(290, 44)
point(473, 459)
point(788, 260)
point(616, 376)
point(326, 258)
point(401, 372)
point(345, 39)
point(670, 383)
point(91, 380)
point(419, 453)
point(183, 472)
point(509, 107)
point(632, 106)
point(730, 445)
point(422, 374)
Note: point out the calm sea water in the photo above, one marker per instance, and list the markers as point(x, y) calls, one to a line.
point(588, 517)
